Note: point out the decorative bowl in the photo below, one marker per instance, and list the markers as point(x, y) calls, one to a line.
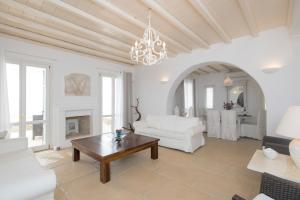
point(270, 153)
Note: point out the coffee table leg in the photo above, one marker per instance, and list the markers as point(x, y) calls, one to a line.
point(154, 151)
point(104, 172)
point(76, 154)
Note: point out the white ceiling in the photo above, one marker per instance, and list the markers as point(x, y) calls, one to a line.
point(107, 29)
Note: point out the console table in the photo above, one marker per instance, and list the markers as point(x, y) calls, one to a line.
point(282, 166)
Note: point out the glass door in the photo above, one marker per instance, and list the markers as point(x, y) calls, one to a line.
point(108, 108)
point(28, 103)
point(13, 86)
point(36, 105)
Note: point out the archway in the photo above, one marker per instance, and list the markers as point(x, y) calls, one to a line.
point(259, 106)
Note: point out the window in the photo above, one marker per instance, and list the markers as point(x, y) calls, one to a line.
point(188, 93)
point(209, 97)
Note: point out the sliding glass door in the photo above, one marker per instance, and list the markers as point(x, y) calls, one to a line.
point(28, 102)
point(108, 100)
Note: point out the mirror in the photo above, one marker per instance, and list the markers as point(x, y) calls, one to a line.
point(237, 94)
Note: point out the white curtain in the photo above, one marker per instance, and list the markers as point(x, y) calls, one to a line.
point(127, 99)
point(123, 100)
point(4, 111)
point(189, 95)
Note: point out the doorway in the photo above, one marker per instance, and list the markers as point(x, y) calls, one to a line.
point(28, 94)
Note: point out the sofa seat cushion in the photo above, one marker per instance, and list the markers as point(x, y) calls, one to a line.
point(163, 133)
point(22, 177)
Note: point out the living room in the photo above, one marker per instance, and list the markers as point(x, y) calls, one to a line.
point(90, 107)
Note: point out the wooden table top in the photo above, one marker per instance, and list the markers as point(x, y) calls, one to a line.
point(106, 145)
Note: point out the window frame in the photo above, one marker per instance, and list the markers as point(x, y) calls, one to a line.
point(213, 96)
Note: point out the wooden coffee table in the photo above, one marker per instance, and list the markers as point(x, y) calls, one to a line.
point(105, 149)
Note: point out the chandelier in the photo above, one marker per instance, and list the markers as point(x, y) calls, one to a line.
point(149, 50)
point(228, 81)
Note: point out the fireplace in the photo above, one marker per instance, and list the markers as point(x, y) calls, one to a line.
point(73, 122)
point(77, 126)
point(77, 123)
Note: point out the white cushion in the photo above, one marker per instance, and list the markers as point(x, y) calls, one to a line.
point(153, 121)
point(162, 133)
point(15, 144)
point(22, 177)
point(262, 197)
point(182, 124)
point(172, 122)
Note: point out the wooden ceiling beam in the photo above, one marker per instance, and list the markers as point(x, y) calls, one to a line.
point(50, 32)
point(202, 9)
point(41, 17)
point(172, 20)
point(114, 9)
point(220, 68)
point(58, 43)
point(202, 71)
point(226, 67)
point(94, 19)
point(249, 17)
point(98, 21)
point(197, 72)
point(213, 68)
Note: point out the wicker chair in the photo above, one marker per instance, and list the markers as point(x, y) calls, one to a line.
point(278, 144)
point(277, 188)
point(272, 186)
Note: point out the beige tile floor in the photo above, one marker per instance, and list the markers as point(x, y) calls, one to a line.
point(214, 172)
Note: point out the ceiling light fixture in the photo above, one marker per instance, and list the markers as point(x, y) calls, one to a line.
point(228, 81)
point(149, 50)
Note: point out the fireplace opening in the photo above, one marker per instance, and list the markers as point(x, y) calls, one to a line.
point(77, 126)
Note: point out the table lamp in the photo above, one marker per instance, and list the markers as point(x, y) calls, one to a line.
point(290, 127)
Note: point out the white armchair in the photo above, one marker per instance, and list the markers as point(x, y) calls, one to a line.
point(22, 177)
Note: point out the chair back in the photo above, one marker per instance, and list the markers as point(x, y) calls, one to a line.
point(229, 125)
point(213, 123)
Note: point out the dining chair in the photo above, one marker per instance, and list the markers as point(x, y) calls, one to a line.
point(256, 129)
point(213, 123)
point(229, 127)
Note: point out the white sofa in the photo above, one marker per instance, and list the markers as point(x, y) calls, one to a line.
point(21, 176)
point(176, 132)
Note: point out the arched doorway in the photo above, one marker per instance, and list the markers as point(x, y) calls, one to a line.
point(208, 79)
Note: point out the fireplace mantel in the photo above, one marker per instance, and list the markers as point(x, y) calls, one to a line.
point(64, 112)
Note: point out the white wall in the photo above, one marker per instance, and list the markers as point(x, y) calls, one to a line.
point(248, 53)
point(62, 63)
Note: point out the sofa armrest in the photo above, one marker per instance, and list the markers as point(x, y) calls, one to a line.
point(279, 188)
point(194, 130)
point(138, 125)
point(11, 145)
